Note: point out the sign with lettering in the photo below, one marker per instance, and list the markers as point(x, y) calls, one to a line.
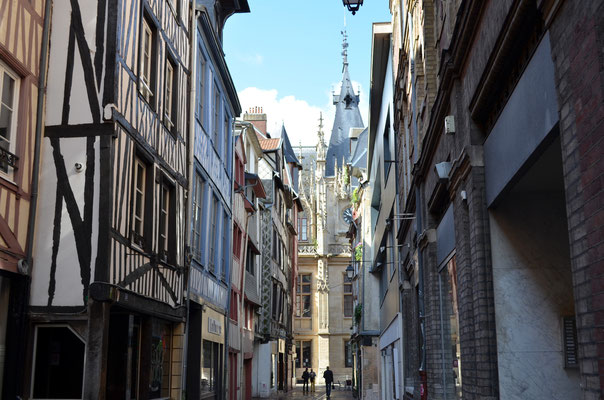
point(210, 161)
point(214, 326)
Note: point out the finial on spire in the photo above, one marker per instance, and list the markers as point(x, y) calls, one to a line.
point(344, 49)
point(321, 121)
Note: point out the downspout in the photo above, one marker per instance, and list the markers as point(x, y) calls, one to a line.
point(38, 136)
point(191, 174)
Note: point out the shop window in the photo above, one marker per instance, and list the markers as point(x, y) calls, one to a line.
point(451, 358)
point(59, 363)
point(347, 286)
point(210, 368)
point(8, 122)
point(160, 360)
point(303, 303)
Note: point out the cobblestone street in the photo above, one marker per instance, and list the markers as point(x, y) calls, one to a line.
point(319, 394)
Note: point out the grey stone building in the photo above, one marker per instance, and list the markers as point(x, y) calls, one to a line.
point(498, 120)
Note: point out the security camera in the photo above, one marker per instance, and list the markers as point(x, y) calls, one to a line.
point(78, 167)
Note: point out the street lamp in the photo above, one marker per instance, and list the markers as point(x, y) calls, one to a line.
point(349, 272)
point(353, 5)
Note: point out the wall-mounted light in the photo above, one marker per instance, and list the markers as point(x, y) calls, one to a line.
point(442, 170)
point(349, 272)
point(353, 5)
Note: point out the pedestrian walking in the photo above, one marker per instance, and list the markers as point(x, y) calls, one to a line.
point(305, 376)
point(328, 376)
point(312, 376)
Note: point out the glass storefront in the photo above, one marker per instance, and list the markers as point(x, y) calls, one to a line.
point(211, 365)
point(451, 353)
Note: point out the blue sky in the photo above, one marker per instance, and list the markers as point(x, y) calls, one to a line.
point(285, 56)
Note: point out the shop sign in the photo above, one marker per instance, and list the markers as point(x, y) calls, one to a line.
point(214, 326)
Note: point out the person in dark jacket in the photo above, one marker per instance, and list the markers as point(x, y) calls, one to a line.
point(305, 376)
point(328, 376)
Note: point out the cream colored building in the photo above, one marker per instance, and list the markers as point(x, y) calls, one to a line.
point(323, 317)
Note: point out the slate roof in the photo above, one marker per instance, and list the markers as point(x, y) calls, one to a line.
point(347, 116)
point(359, 155)
point(290, 156)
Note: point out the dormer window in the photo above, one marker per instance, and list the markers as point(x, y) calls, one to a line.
point(348, 100)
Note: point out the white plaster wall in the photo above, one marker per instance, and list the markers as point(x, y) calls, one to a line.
point(533, 291)
point(68, 290)
point(261, 370)
point(79, 105)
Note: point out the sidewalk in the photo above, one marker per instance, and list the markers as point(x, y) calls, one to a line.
point(319, 394)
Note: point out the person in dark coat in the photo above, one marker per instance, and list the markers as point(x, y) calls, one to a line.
point(305, 376)
point(328, 376)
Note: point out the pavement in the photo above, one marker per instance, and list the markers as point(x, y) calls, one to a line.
point(319, 394)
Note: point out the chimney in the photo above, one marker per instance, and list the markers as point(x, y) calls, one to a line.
point(257, 118)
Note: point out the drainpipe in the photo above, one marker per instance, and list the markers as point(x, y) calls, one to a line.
point(191, 175)
point(419, 223)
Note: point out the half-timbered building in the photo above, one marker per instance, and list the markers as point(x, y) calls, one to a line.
point(211, 202)
point(107, 306)
point(21, 36)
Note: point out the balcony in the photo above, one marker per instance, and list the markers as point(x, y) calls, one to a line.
point(7, 159)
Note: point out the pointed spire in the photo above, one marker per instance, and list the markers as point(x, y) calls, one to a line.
point(344, 50)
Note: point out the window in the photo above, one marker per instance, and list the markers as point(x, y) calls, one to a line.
point(166, 222)
point(275, 244)
point(226, 136)
point(140, 200)
point(226, 228)
point(303, 229)
point(347, 354)
point(303, 354)
point(249, 260)
point(147, 59)
point(303, 303)
point(233, 314)
point(347, 297)
point(9, 90)
point(275, 303)
point(198, 192)
point(201, 85)
point(211, 363)
point(216, 119)
point(213, 236)
point(170, 95)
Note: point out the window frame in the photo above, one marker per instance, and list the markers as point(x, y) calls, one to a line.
point(202, 74)
point(166, 243)
point(217, 102)
point(5, 167)
point(170, 95)
point(198, 217)
point(146, 75)
point(347, 294)
point(301, 295)
point(213, 237)
point(139, 238)
point(226, 223)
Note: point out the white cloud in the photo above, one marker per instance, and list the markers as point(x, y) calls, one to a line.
point(301, 118)
point(251, 59)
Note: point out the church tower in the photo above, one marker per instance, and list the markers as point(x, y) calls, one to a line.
point(324, 298)
point(347, 116)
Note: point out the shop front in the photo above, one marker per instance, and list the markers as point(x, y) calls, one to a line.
point(206, 332)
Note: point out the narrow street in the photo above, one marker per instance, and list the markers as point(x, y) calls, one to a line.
point(319, 394)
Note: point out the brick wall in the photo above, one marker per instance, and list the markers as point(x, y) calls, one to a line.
point(577, 37)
